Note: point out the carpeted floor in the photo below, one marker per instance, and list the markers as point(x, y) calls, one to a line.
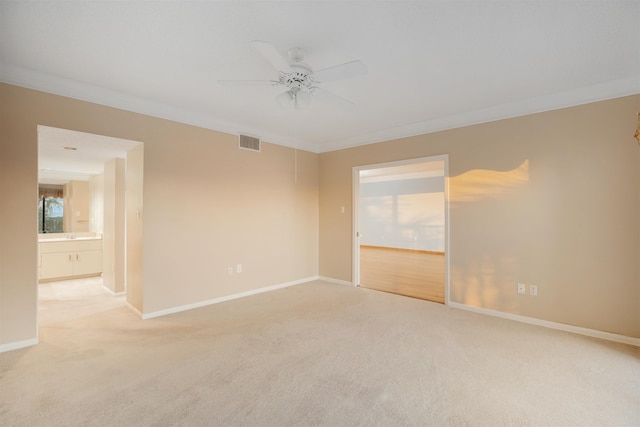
point(309, 355)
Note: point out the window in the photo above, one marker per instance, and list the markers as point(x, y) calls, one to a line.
point(50, 208)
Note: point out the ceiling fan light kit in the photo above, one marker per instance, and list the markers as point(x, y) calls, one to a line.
point(296, 98)
point(300, 79)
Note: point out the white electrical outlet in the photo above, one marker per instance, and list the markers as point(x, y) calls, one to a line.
point(239, 268)
point(533, 290)
point(522, 288)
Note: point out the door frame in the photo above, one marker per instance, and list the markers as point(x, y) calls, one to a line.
point(356, 214)
point(125, 234)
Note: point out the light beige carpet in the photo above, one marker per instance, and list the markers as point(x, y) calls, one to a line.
point(313, 354)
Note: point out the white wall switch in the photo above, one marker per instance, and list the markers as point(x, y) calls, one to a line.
point(522, 288)
point(239, 268)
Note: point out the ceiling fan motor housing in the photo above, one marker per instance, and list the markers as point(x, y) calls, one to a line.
point(299, 78)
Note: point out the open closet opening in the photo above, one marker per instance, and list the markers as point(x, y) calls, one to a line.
point(401, 223)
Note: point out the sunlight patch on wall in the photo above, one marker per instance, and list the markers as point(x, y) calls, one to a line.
point(485, 282)
point(481, 183)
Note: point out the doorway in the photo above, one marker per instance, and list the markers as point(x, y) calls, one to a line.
point(401, 227)
point(90, 252)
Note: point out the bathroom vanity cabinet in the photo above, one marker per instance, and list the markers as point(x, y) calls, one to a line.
point(69, 258)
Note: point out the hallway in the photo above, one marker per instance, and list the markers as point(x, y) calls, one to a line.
point(73, 299)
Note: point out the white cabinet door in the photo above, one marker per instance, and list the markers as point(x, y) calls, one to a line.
point(69, 258)
point(87, 262)
point(56, 264)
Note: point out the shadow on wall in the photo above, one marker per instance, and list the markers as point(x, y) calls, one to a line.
point(489, 216)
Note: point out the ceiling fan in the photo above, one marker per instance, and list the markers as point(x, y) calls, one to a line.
point(299, 78)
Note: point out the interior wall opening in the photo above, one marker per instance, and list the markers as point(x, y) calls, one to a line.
point(83, 237)
point(401, 223)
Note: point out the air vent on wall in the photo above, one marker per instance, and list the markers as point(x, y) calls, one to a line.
point(249, 143)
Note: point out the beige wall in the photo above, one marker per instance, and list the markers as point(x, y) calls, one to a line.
point(550, 199)
point(76, 206)
point(222, 207)
point(18, 226)
point(207, 205)
point(134, 230)
point(96, 204)
point(113, 239)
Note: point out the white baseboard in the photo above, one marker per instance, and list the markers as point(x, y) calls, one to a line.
point(337, 281)
point(17, 345)
point(223, 299)
point(552, 325)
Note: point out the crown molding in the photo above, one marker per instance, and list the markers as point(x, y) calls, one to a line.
point(584, 95)
point(73, 89)
point(56, 85)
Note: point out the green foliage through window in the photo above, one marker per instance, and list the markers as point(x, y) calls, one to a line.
point(50, 210)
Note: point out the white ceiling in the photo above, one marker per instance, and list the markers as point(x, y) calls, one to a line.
point(432, 65)
point(65, 155)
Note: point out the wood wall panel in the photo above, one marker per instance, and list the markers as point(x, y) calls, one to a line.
point(417, 274)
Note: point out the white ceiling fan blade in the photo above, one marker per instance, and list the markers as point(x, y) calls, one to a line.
point(303, 100)
point(332, 99)
point(248, 82)
point(285, 100)
point(339, 72)
point(272, 55)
